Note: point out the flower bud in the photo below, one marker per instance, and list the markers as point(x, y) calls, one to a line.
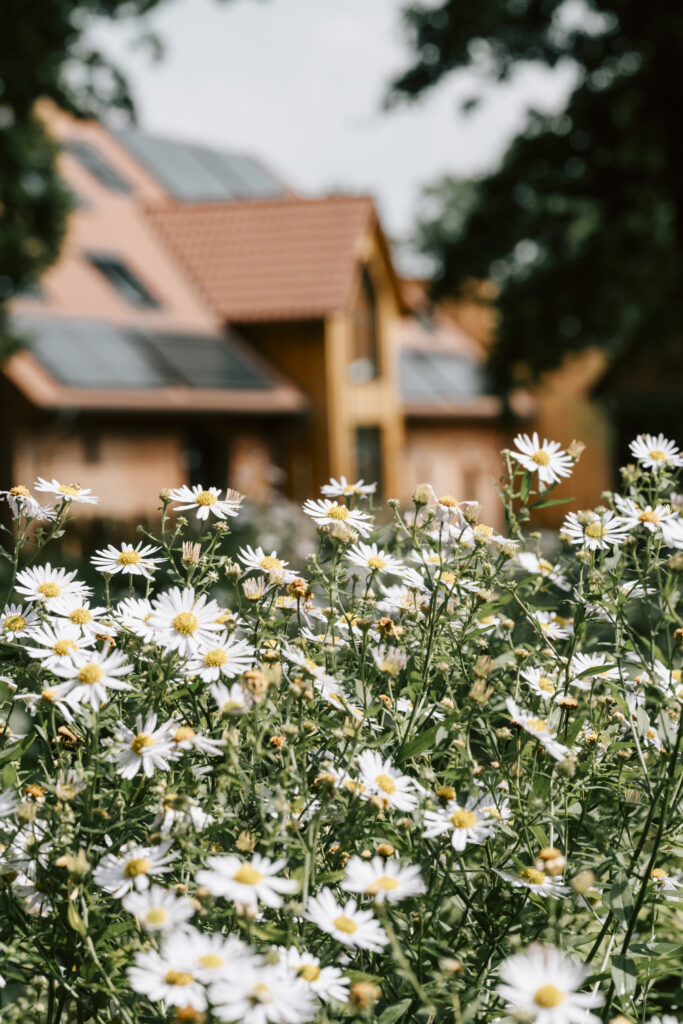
point(364, 995)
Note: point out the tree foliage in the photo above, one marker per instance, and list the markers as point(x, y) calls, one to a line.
point(581, 224)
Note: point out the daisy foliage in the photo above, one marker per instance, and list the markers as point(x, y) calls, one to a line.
point(432, 774)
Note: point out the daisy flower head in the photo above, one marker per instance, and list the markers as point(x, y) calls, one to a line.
point(160, 978)
point(17, 621)
point(183, 620)
point(593, 665)
point(373, 559)
point(43, 584)
point(543, 984)
point(134, 613)
point(385, 783)
point(132, 868)
point(129, 560)
point(347, 924)
point(66, 492)
point(669, 886)
point(653, 519)
point(54, 644)
point(467, 824)
point(206, 501)
point(158, 909)
point(391, 660)
point(548, 459)
point(324, 512)
point(22, 503)
point(184, 739)
point(213, 957)
point(592, 531)
point(655, 452)
point(76, 609)
point(539, 728)
point(552, 625)
point(327, 983)
point(543, 685)
point(144, 747)
point(247, 883)
point(268, 994)
point(535, 881)
point(232, 700)
point(222, 656)
point(341, 488)
point(541, 567)
point(383, 879)
point(89, 675)
point(258, 560)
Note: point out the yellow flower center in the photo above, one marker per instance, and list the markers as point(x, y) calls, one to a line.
point(48, 694)
point(546, 684)
point(14, 623)
point(156, 915)
point(232, 705)
point(80, 616)
point(142, 740)
point(128, 557)
point(260, 994)
point(215, 658)
point(183, 733)
point(212, 960)
point(186, 623)
point(62, 647)
point(73, 490)
point(49, 589)
point(386, 784)
point(136, 866)
point(676, 675)
point(345, 924)
point(482, 530)
point(657, 455)
point(20, 491)
point(541, 457)
point(248, 875)
point(533, 876)
point(648, 516)
point(449, 501)
point(375, 562)
point(384, 882)
point(544, 565)
point(178, 977)
point(463, 819)
point(659, 873)
point(448, 578)
point(339, 512)
point(595, 530)
point(537, 724)
point(269, 563)
point(90, 673)
point(206, 498)
point(548, 995)
point(309, 972)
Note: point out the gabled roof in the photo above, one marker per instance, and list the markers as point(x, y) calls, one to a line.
point(81, 363)
point(280, 259)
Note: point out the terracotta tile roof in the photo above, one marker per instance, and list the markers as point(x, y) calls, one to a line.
point(281, 259)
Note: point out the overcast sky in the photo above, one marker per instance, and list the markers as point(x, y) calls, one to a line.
point(300, 83)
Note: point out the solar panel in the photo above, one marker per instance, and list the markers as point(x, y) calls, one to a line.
point(206, 362)
point(440, 376)
point(194, 173)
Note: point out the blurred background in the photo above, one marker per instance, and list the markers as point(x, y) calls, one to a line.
point(261, 243)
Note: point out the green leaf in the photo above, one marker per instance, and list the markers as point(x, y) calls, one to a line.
point(550, 501)
point(75, 920)
point(624, 975)
point(425, 739)
point(621, 899)
point(15, 750)
point(394, 1013)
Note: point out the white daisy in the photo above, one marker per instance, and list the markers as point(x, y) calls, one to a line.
point(542, 984)
point(548, 459)
point(180, 812)
point(468, 824)
point(90, 675)
point(391, 660)
point(132, 868)
point(222, 656)
point(129, 560)
point(327, 983)
point(44, 584)
point(160, 978)
point(47, 698)
point(536, 881)
point(543, 685)
point(184, 738)
point(183, 620)
point(382, 781)
point(552, 625)
point(134, 614)
point(22, 503)
point(594, 665)
point(266, 995)
point(374, 559)
point(383, 879)
point(669, 886)
point(233, 700)
point(206, 501)
point(592, 531)
point(212, 957)
point(539, 728)
point(67, 492)
point(542, 567)
point(655, 452)
point(329, 513)
point(341, 488)
point(247, 882)
point(54, 644)
point(144, 747)
point(159, 910)
point(16, 621)
point(277, 569)
point(348, 924)
point(91, 621)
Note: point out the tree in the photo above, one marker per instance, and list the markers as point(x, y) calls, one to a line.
point(581, 225)
point(44, 53)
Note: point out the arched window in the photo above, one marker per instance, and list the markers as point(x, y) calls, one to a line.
point(365, 355)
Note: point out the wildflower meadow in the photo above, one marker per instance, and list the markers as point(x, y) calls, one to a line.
point(430, 774)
